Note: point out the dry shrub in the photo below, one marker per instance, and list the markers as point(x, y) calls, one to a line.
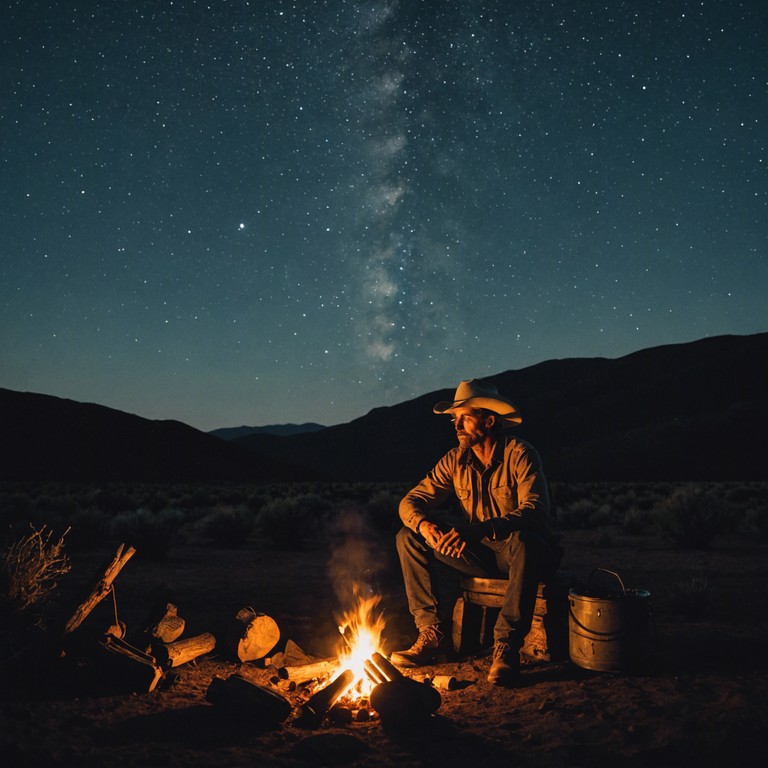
point(227, 526)
point(693, 516)
point(691, 596)
point(31, 569)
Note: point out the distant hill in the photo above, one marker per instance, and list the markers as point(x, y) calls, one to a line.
point(695, 411)
point(232, 433)
point(51, 439)
point(690, 411)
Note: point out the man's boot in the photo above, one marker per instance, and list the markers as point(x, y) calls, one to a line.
point(430, 647)
point(505, 667)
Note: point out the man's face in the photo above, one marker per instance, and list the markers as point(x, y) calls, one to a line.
point(472, 426)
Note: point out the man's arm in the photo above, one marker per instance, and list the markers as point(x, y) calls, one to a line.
point(428, 494)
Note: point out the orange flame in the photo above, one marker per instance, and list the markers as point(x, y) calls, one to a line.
point(361, 628)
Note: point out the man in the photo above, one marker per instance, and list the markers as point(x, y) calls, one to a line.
point(500, 485)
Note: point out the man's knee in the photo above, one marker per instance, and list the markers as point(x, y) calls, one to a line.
point(405, 539)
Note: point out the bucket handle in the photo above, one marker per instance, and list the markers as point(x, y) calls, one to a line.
point(611, 573)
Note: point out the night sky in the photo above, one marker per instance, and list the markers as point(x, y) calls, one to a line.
point(262, 212)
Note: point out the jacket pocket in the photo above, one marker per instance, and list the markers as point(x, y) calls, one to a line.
point(505, 497)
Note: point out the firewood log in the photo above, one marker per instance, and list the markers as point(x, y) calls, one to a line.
point(164, 624)
point(306, 672)
point(247, 701)
point(404, 702)
point(182, 651)
point(254, 635)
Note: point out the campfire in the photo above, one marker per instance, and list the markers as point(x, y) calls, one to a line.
point(366, 679)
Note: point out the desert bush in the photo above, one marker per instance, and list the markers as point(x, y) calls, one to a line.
point(89, 528)
point(602, 540)
point(692, 517)
point(637, 520)
point(621, 502)
point(31, 569)
point(256, 501)
point(382, 508)
point(113, 500)
point(756, 520)
point(290, 522)
point(199, 498)
point(227, 526)
point(690, 596)
point(152, 534)
point(576, 514)
point(603, 515)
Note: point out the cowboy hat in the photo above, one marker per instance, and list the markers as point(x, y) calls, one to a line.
point(476, 393)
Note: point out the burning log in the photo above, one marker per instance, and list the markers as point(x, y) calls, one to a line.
point(246, 700)
point(254, 635)
point(102, 588)
point(399, 700)
point(375, 675)
point(183, 651)
point(313, 712)
point(314, 671)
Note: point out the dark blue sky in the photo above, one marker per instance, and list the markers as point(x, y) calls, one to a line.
point(261, 212)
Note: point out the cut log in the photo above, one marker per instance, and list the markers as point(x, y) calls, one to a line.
point(292, 656)
point(255, 634)
point(164, 624)
point(314, 671)
point(316, 708)
point(128, 669)
point(245, 700)
point(182, 651)
point(404, 702)
point(102, 588)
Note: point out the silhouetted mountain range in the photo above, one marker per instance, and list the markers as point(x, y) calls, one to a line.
point(232, 433)
point(695, 411)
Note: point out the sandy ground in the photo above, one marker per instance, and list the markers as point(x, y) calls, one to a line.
point(702, 699)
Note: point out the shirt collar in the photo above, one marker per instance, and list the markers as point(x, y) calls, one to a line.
point(469, 459)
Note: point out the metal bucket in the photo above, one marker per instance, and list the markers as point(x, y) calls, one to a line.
point(608, 629)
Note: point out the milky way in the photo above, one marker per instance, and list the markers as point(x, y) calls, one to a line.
point(262, 212)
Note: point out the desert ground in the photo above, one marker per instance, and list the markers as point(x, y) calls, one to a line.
point(700, 698)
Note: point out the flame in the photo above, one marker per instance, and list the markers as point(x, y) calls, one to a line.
point(361, 630)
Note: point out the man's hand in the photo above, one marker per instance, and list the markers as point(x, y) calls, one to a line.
point(430, 532)
point(450, 544)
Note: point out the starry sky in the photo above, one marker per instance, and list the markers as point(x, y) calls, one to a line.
point(263, 211)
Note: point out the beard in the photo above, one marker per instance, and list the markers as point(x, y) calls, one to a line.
point(467, 440)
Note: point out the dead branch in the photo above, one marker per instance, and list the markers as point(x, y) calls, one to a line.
point(102, 588)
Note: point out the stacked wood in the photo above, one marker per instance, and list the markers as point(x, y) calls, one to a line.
point(164, 624)
point(243, 700)
point(254, 634)
point(183, 651)
point(129, 669)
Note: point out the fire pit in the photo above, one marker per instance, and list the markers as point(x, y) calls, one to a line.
point(366, 679)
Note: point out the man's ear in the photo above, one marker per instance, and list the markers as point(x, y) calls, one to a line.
point(490, 420)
